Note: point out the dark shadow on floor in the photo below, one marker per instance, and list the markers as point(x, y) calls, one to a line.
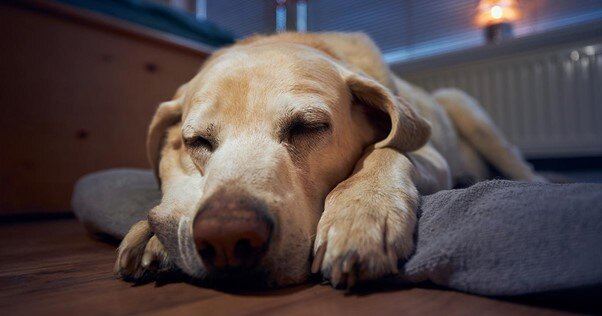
point(587, 300)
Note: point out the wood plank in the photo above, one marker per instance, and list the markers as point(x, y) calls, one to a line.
point(52, 267)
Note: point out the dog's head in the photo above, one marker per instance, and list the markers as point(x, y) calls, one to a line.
point(248, 150)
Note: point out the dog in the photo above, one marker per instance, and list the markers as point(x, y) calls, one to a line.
point(292, 147)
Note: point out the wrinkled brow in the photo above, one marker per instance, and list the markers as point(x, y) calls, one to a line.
point(307, 88)
point(326, 89)
point(190, 131)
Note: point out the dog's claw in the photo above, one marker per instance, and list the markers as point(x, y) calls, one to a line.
point(318, 258)
point(349, 262)
point(124, 258)
point(351, 278)
point(335, 278)
point(152, 253)
point(141, 255)
point(147, 259)
point(393, 261)
point(344, 271)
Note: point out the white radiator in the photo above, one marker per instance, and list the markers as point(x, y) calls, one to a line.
point(548, 102)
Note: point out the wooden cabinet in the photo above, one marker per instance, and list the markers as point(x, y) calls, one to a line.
point(77, 93)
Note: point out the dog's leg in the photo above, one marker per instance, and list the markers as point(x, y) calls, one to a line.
point(471, 167)
point(140, 255)
point(476, 127)
point(368, 220)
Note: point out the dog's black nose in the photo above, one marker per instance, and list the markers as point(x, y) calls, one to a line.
point(232, 232)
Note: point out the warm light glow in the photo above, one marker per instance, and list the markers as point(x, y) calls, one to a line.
point(497, 11)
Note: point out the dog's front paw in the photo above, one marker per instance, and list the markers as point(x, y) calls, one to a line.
point(141, 255)
point(361, 243)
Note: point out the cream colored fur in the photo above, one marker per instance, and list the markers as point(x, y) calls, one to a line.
point(345, 190)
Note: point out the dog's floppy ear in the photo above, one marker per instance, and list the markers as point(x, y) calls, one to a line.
point(168, 114)
point(408, 130)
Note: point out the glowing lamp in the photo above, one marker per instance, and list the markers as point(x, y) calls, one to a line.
point(496, 17)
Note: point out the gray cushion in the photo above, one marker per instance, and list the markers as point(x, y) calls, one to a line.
point(494, 238)
point(111, 201)
point(510, 238)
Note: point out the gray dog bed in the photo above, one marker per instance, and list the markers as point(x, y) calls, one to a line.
point(494, 238)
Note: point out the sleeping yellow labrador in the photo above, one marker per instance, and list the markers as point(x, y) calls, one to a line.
point(298, 153)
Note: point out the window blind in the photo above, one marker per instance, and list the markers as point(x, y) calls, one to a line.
point(403, 29)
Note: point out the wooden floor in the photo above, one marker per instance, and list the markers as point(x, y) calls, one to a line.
point(53, 267)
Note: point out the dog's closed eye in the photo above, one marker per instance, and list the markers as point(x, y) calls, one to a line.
point(200, 140)
point(304, 128)
point(199, 143)
point(298, 129)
